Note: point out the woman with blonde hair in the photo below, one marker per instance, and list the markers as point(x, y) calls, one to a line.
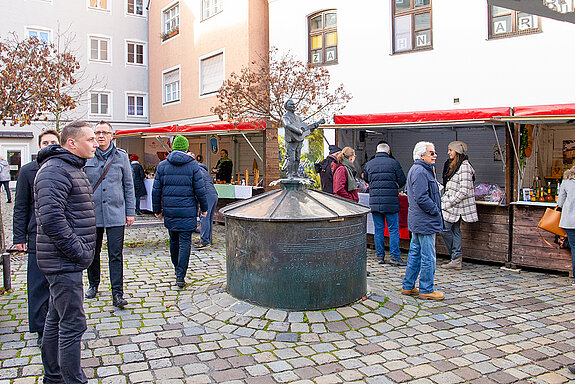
point(344, 172)
point(566, 201)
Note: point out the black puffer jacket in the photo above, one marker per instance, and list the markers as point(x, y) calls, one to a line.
point(385, 177)
point(24, 217)
point(64, 212)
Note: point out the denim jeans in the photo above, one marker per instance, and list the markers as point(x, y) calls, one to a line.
point(452, 238)
point(208, 221)
point(420, 262)
point(38, 295)
point(65, 325)
point(180, 246)
point(379, 221)
point(571, 238)
point(138, 199)
point(115, 237)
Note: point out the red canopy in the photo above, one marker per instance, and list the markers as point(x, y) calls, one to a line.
point(545, 110)
point(424, 116)
point(216, 127)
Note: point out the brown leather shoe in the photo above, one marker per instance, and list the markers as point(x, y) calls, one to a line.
point(410, 292)
point(435, 295)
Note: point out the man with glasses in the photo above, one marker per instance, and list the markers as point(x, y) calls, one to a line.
point(110, 174)
point(424, 221)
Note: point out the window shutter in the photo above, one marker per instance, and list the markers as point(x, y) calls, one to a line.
point(212, 73)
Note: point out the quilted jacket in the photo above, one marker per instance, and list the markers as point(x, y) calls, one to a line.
point(458, 200)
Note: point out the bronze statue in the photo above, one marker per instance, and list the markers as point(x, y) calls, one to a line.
point(295, 132)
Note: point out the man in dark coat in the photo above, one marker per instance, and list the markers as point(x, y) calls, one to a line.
point(65, 247)
point(424, 222)
point(178, 187)
point(385, 176)
point(323, 168)
point(24, 239)
point(139, 178)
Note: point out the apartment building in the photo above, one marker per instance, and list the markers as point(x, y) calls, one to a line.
point(110, 40)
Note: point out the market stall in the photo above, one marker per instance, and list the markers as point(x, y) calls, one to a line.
point(486, 240)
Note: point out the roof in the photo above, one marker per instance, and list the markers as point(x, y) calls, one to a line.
point(190, 130)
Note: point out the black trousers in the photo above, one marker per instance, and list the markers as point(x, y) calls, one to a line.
point(6, 185)
point(115, 237)
point(38, 295)
point(65, 325)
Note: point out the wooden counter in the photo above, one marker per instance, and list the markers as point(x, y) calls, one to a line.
point(486, 239)
point(528, 249)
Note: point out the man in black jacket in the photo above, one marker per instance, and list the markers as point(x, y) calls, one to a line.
point(385, 176)
point(65, 247)
point(25, 238)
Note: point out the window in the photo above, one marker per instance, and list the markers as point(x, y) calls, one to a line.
point(136, 7)
point(323, 38)
point(210, 8)
point(506, 23)
point(99, 49)
point(99, 103)
point(171, 22)
point(136, 105)
point(99, 4)
point(411, 25)
point(172, 86)
point(40, 34)
point(135, 53)
point(211, 73)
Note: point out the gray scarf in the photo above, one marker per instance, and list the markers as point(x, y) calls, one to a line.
point(350, 168)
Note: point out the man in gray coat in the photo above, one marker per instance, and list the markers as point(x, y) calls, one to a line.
point(110, 174)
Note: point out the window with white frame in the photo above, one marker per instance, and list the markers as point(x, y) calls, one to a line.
point(505, 22)
point(40, 34)
point(211, 73)
point(136, 105)
point(99, 49)
point(171, 18)
point(210, 8)
point(136, 7)
point(323, 37)
point(135, 53)
point(171, 82)
point(100, 4)
point(100, 103)
point(412, 28)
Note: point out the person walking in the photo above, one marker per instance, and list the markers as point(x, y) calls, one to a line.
point(344, 172)
point(178, 186)
point(139, 177)
point(385, 176)
point(566, 201)
point(5, 177)
point(24, 239)
point(206, 223)
point(457, 201)
point(424, 221)
point(110, 174)
point(65, 245)
point(323, 168)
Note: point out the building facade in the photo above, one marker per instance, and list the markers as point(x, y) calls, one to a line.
point(109, 39)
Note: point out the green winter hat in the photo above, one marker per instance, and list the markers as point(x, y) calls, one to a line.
point(180, 143)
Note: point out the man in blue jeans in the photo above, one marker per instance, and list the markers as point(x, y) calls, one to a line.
point(178, 187)
point(385, 177)
point(424, 221)
point(65, 244)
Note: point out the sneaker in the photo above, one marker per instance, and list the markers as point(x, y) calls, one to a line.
point(397, 261)
point(181, 283)
point(435, 295)
point(453, 264)
point(118, 301)
point(381, 260)
point(410, 292)
point(202, 245)
point(91, 292)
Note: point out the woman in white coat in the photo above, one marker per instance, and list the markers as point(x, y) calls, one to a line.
point(458, 200)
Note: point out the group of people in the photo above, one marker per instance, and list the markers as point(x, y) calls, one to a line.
point(80, 187)
point(434, 207)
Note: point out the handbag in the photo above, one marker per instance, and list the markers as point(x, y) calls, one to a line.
point(550, 223)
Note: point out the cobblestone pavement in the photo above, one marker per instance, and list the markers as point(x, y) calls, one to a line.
point(494, 326)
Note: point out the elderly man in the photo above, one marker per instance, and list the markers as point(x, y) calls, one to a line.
point(65, 247)
point(110, 174)
point(385, 176)
point(424, 221)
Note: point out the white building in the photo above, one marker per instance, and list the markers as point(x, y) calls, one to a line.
point(110, 41)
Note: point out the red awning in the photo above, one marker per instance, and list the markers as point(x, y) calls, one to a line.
point(545, 110)
point(424, 116)
point(205, 128)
